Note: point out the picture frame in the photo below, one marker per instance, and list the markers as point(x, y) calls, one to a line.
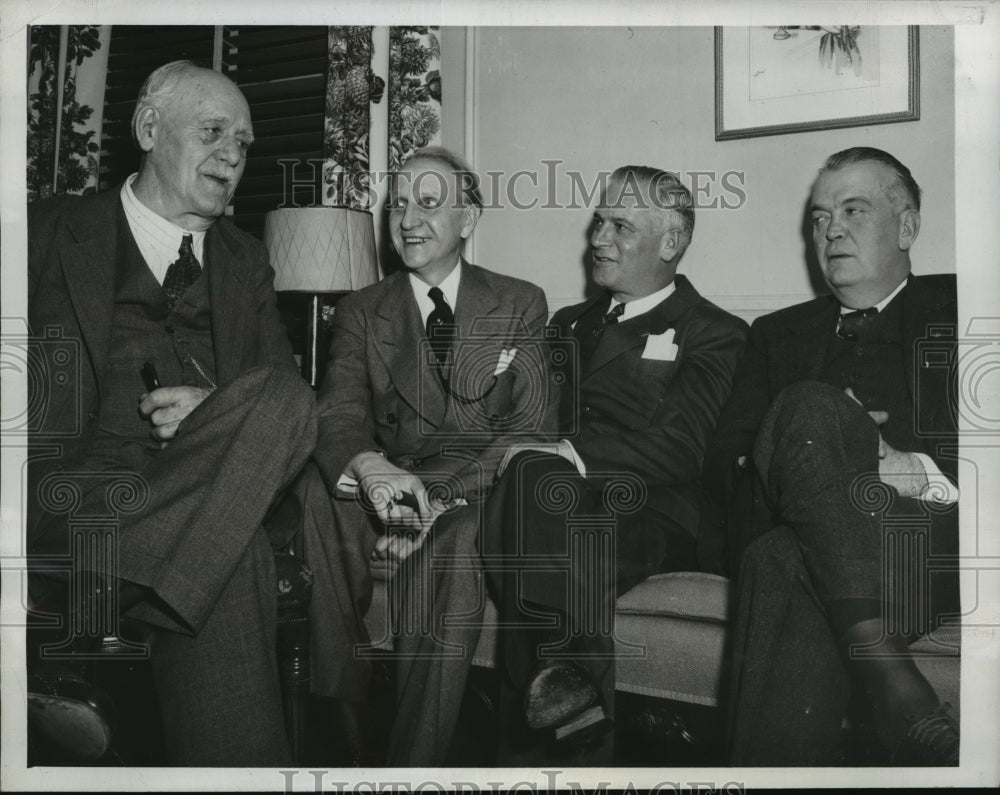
point(788, 79)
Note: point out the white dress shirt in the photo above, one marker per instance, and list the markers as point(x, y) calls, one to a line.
point(449, 286)
point(159, 240)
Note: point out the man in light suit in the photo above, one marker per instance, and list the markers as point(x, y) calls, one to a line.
point(432, 373)
point(654, 366)
point(187, 460)
point(842, 421)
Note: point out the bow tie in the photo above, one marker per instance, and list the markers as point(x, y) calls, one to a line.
point(852, 323)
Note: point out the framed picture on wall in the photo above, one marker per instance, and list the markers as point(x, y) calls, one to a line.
point(793, 78)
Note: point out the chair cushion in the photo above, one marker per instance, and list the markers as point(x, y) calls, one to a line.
point(670, 634)
point(684, 594)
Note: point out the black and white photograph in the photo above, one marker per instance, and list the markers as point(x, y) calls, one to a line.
point(499, 395)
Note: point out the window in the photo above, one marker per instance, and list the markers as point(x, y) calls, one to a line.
point(281, 71)
point(134, 52)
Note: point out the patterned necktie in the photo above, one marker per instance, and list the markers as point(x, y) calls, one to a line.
point(440, 325)
point(589, 342)
point(182, 273)
point(853, 323)
point(610, 319)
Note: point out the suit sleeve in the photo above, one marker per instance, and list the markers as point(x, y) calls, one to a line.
point(671, 450)
point(346, 427)
point(534, 396)
point(740, 418)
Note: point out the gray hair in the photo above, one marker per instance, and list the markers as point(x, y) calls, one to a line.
point(161, 86)
point(667, 192)
point(903, 191)
point(457, 164)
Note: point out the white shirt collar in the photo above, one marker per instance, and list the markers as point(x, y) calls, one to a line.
point(158, 239)
point(884, 302)
point(641, 306)
point(449, 286)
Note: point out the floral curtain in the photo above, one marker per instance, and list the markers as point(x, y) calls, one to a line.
point(356, 99)
point(67, 70)
point(386, 80)
point(414, 91)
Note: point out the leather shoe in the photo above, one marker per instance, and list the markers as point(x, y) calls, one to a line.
point(72, 717)
point(563, 699)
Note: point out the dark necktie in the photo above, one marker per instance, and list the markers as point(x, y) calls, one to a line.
point(588, 342)
point(440, 325)
point(854, 323)
point(182, 273)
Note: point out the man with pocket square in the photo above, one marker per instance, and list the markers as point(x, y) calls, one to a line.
point(433, 373)
point(653, 366)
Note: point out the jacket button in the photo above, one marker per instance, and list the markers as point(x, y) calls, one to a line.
point(390, 418)
point(92, 415)
point(586, 409)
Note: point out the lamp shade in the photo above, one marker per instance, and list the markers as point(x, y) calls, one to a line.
point(321, 249)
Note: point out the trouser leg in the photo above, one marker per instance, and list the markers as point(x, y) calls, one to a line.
point(339, 537)
point(190, 531)
point(817, 458)
point(184, 516)
point(441, 594)
point(580, 551)
point(219, 691)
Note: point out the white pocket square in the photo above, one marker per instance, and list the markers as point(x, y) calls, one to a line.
point(661, 347)
point(506, 357)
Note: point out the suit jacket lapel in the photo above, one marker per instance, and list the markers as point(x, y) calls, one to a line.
point(476, 301)
point(629, 334)
point(399, 338)
point(806, 345)
point(89, 266)
point(229, 299)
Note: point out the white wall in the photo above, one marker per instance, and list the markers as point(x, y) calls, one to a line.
point(597, 98)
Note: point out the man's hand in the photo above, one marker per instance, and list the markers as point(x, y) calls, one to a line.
point(168, 406)
point(392, 549)
point(383, 485)
point(903, 471)
point(556, 448)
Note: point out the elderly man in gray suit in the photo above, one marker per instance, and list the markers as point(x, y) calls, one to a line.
point(187, 393)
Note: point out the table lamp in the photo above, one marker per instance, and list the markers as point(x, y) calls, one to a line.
point(319, 254)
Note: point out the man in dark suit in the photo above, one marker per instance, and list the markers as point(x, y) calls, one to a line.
point(185, 461)
point(845, 422)
point(618, 500)
point(432, 373)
